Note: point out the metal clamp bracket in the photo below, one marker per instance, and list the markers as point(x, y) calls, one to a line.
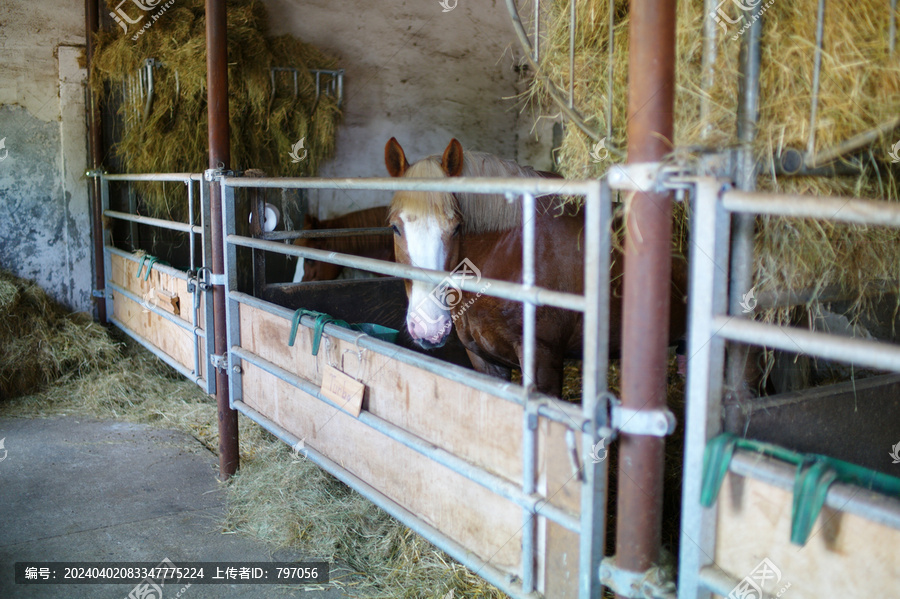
point(97, 172)
point(214, 174)
point(218, 362)
point(652, 584)
point(653, 423)
point(644, 176)
point(101, 293)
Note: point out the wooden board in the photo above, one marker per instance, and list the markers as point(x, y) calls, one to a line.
point(846, 556)
point(167, 292)
point(478, 427)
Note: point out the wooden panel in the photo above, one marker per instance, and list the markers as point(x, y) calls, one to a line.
point(478, 427)
point(846, 556)
point(465, 511)
point(168, 293)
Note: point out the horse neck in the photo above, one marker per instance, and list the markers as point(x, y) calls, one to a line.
point(370, 217)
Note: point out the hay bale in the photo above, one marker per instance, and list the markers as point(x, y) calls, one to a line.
point(41, 342)
point(859, 89)
point(174, 136)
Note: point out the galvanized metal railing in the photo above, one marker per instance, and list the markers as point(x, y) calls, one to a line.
point(594, 304)
point(711, 325)
point(196, 277)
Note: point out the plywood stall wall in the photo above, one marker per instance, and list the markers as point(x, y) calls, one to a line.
point(846, 555)
point(482, 429)
point(165, 292)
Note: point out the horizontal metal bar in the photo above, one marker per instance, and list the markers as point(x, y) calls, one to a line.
point(511, 291)
point(162, 177)
point(849, 210)
point(858, 141)
point(188, 327)
point(876, 354)
point(325, 233)
point(717, 580)
point(464, 556)
point(154, 222)
point(842, 497)
point(498, 185)
point(549, 407)
point(491, 482)
point(162, 268)
point(182, 370)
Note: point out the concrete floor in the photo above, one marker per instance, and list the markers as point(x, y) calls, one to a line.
point(85, 490)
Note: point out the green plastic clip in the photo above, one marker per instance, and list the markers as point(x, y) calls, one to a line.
point(375, 330)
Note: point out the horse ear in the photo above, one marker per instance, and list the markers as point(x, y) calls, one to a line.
point(394, 158)
point(452, 161)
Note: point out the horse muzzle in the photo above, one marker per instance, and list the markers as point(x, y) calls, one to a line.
point(430, 335)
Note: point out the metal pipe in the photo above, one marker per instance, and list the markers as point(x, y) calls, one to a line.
point(856, 142)
point(95, 146)
point(708, 70)
point(893, 27)
point(817, 67)
point(461, 554)
point(153, 222)
point(530, 502)
point(163, 268)
point(852, 210)
point(648, 242)
point(529, 418)
point(572, 55)
point(495, 185)
point(324, 233)
point(594, 486)
point(511, 291)
point(168, 177)
point(609, 69)
point(875, 354)
point(537, 31)
point(219, 157)
point(549, 407)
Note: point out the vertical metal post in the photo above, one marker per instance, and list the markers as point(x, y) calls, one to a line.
point(209, 321)
point(537, 31)
point(609, 70)
point(596, 326)
point(572, 55)
point(743, 225)
point(95, 144)
point(232, 307)
point(817, 67)
point(708, 278)
point(219, 157)
point(648, 265)
point(108, 304)
point(708, 76)
point(893, 28)
point(529, 433)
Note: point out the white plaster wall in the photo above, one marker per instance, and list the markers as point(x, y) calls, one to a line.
point(416, 73)
point(44, 209)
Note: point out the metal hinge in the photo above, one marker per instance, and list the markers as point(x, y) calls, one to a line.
point(653, 423)
point(651, 584)
point(101, 293)
point(219, 362)
point(645, 176)
point(214, 174)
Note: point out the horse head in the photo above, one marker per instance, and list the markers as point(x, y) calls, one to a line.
point(426, 229)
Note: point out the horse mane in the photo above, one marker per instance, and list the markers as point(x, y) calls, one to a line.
point(480, 213)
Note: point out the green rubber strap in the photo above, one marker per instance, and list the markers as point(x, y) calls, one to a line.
point(321, 320)
point(295, 323)
point(150, 264)
point(716, 459)
point(810, 488)
point(141, 265)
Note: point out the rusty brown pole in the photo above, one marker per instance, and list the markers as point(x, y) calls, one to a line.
point(219, 157)
point(95, 143)
point(648, 264)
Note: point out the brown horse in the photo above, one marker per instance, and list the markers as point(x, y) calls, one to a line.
point(479, 236)
point(370, 246)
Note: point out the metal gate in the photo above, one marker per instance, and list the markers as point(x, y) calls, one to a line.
point(509, 493)
point(167, 310)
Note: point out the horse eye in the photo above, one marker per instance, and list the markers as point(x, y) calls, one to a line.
point(395, 230)
point(457, 229)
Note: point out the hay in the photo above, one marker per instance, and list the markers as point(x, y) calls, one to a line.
point(40, 341)
point(859, 89)
point(174, 136)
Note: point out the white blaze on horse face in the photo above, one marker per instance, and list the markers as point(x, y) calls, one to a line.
point(427, 319)
point(298, 274)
